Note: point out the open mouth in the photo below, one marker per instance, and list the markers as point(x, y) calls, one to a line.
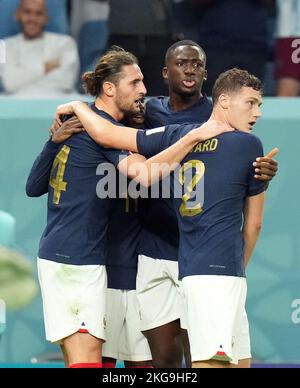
point(189, 83)
point(251, 124)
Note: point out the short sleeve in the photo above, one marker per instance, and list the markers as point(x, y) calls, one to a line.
point(152, 141)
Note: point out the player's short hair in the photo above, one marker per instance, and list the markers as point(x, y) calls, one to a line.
point(232, 81)
point(108, 69)
point(180, 43)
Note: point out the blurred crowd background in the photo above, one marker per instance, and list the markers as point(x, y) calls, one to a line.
point(49, 43)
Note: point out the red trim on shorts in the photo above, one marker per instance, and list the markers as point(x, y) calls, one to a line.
point(86, 365)
point(109, 364)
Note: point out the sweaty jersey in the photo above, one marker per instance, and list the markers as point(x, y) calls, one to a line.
point(77, 219)
point(160, 236)
point(213, 183)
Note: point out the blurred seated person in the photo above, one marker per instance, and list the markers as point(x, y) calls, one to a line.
point(38, 62)
point(57, 11)
point(287, 56)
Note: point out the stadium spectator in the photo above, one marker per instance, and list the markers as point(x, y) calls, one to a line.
point(287, 57)
point(38, 62)
point(57, 22)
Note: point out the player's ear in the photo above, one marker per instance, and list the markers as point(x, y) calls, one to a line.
point(224, 101)
point(165, 73)
point(109, 89)
point(205, 76)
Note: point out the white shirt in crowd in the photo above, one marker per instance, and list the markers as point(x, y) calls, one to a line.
point(24, 71)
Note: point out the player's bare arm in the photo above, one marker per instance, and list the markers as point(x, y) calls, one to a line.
point(253, 218)
point(149, 171)
point(108, 134)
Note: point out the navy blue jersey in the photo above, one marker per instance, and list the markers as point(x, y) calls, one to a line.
point(123, 237)
point(210, 220)
point(159, 112)
point(160, 235)
point(76, 230)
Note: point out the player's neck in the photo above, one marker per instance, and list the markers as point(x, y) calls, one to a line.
point(219, 115)
point(180, 102)
point(109, 108)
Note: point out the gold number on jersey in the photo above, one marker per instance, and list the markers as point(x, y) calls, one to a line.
point(127, 204)
point(199, 168)
point(58, 183)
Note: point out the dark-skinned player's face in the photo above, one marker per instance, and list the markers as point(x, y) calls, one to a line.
point(185, 70)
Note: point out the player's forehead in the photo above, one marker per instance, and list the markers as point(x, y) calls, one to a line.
point(249, 93)
point(132, 72)
point(188, 52)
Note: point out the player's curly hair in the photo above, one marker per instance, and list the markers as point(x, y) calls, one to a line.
point(108, 68)
point(232, 81)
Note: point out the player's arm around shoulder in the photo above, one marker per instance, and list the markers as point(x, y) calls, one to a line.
point(163, 163)
point(102, 131)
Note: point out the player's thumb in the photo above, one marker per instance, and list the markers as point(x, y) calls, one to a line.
point(272, 153)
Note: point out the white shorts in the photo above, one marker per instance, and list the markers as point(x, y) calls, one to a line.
point(159, 292)
point(124, 339)
point(74, 298)
point(216, 317)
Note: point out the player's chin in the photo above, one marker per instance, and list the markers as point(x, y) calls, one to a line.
point(188, 91)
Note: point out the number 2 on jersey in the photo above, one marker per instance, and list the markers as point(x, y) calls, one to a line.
point(199, 169)
point(58, 183)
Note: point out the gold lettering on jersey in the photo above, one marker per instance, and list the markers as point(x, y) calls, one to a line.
point(185, 209)
point(206, 146)
point(58, 184)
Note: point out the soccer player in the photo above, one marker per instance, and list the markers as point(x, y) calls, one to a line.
point(159, 290)
point(185, 72)
point(211, 243)
point(124, 339)
point(72, 249)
